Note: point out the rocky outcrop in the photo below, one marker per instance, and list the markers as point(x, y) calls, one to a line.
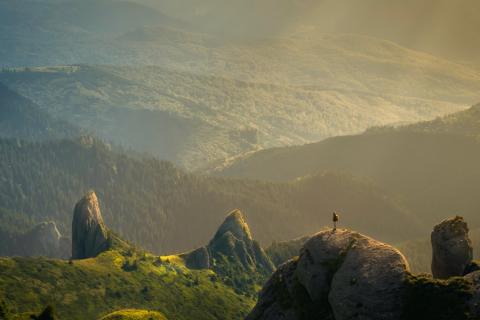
point(339, 275)
point(234, 240)
point(234, 255)
point(43, 240)
point(89, 233)
point(452, 251)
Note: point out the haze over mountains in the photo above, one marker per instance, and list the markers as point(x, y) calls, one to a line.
point(165, 115)
point(142, 72)
point(432, 167)
point(442, 27)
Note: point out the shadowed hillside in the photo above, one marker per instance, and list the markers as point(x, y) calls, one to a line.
point(432, 166)
point(155, 205)
point(23, 119)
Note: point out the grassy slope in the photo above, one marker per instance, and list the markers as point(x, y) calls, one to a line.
point(87, 289)
point(134, 314)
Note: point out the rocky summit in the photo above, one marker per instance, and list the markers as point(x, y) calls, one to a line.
point(234, 256)
point(339, 275)
point(452, 248)
point(89, 233)
point(234, 240)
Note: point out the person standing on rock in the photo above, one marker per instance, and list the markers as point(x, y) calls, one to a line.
point(335, 220)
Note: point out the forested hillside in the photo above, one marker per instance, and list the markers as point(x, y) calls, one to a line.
point(23, 119)
point(431, 166)
point(157, 206)
point(194, 119)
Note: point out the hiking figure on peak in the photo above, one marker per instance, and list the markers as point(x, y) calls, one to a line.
point(335, 218)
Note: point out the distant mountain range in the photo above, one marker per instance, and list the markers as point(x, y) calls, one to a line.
point(431, 166)
point(161, 81)
point(201, 121)
point(442, 27)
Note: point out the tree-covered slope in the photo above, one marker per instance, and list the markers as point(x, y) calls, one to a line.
point(155, 205)
point(21, 118)
point(195, 119)
point(431, 166)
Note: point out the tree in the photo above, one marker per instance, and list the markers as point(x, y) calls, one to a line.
point(47, 314)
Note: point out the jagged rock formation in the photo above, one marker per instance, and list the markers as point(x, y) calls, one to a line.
point(89, 233)
point(43, 240)
point(234, 240)
point(452, 248)
point(338, 275)
point(234, 256)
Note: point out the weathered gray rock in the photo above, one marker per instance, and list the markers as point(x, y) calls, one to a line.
point(43, 240)
point(452, 250)
point(370, 284)
point(89, 234)
point(276, 298)
point(339, 275)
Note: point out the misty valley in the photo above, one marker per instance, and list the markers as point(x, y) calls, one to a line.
point(239, 160)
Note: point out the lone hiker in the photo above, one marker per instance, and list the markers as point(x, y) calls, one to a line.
point(335, 220)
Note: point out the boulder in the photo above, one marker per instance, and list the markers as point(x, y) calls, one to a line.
point(89, 233)
point(339, 275)
point(452, 251)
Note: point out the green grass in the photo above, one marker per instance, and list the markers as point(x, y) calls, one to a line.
point(92, 288)
point(134, 314)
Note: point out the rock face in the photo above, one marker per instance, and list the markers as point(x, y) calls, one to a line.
point(451, 247)
point(43, 240)
point(234, 240)
point(339, 275)
point(89, 234)
point(237, 259)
